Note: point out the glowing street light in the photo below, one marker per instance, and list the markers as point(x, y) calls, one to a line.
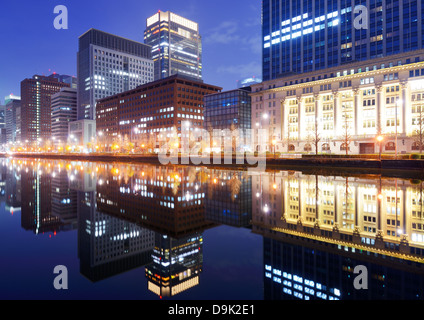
point(380, 140)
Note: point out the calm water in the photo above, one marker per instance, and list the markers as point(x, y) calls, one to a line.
point(146, 232)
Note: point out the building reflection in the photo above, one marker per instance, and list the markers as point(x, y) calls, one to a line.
point(317, 229)
point(107, 245)
point(64, 199)
point(12, 188)
point(229, 198)
point(169, 201)
point(176, 266)
point(36, 194)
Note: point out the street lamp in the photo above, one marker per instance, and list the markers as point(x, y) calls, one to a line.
point(259, 124)
point(274, 143)
point(398, 103)
point(380, 140)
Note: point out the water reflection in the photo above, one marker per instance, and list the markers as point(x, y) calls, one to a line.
point(316, 229)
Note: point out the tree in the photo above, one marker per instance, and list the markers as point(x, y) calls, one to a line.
point(346, 137)
point(419, 132)
point(316, 136)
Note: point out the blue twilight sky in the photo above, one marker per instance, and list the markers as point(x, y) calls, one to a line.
point(231, 32)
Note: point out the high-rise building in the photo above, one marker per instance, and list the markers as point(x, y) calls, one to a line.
point(36, 95)
point(64, 111)
point(2, 124)
point(13, 123)
point(303, 36)
point(176, 45)
point(108, 65)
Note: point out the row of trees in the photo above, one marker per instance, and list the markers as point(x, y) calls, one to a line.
point(314, 137)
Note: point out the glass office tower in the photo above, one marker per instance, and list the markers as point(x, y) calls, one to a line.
point(176, 45)
point(302, 35)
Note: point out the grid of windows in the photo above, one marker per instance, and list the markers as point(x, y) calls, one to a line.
point(303, 36)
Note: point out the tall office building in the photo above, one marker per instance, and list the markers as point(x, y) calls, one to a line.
point(108, 65)
point(36, 107)
point(2, 124)
point(64, 111)
point(13, 112)
point(176, 45)
point(304, 36)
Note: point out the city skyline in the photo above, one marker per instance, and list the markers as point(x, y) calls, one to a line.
point(29, 27)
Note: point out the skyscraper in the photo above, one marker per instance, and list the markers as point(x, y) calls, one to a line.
point(176, 45)
point(304, 36)
point(2, 124)
point(108, 65)
point(36, 107)
point(64, 111)
point(13, 125)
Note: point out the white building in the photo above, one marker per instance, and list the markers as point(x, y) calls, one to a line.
point(82, 135)
point(345, 107)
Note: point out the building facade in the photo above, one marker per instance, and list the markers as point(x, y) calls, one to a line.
point(36, 95)
point(229, 110)
point(176, 45)
point(161, 108)
point(344, 109)
point(304, 36)
point(82, 135)
point(13, 123)
point(64, 111)
point(107, 65)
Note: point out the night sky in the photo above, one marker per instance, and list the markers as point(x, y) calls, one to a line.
point(231, 33)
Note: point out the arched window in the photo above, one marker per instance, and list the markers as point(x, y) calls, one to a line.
point(390, 146)
point(416, 146)
point(326, 147)
point(308, 148)
point(344, 147)
point(292, 148)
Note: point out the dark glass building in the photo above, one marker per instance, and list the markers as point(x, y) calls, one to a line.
point(301, 36)
point(12, 118)
point(228, 110)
